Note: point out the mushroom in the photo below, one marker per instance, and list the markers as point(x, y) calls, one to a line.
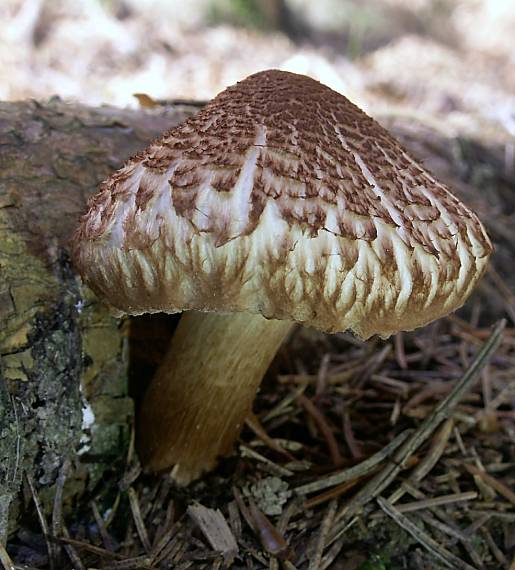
point(280, 202)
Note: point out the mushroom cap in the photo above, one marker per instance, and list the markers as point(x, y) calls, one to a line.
point(281, 197)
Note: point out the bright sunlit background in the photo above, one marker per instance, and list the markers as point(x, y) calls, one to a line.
point(444, 58)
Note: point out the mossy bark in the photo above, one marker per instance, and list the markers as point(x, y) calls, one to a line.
point(63, 358)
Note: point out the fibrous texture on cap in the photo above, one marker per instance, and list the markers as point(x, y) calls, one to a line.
point(283, 198)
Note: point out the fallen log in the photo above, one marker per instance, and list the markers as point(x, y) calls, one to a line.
point(63, 358)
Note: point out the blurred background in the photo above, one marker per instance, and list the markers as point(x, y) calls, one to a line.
point(452, 60)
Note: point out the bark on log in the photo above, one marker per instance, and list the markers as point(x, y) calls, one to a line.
point(63, 358)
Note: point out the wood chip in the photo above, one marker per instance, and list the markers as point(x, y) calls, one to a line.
point(216, 530)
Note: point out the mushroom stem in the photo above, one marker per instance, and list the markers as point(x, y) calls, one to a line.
point(196, 404)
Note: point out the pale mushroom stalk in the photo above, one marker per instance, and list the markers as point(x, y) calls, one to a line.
point(197, 402)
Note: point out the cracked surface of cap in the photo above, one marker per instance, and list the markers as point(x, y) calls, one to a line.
point(281, 197)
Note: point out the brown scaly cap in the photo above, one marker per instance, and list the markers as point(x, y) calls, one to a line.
point(283, 198)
